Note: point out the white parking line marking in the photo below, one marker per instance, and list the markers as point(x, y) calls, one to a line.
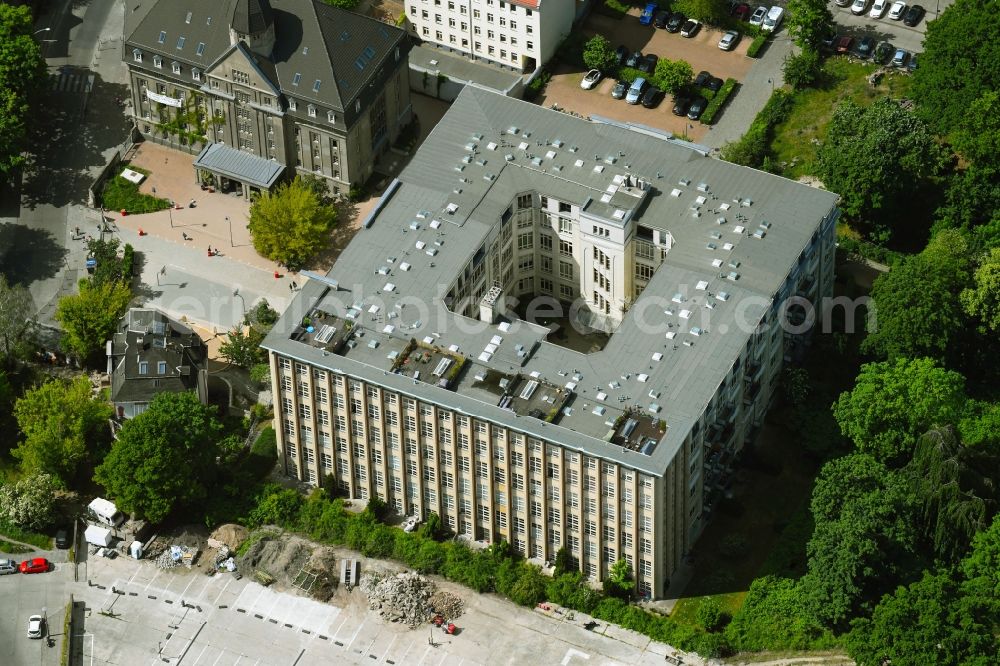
point(137, 570)
point(356, 633)
point(386, 653)
point(200, 654)
point(337, 630)
point(216, 602)
point(426, 652)
point(190, 583)
point(155, 574)
point(221, 652)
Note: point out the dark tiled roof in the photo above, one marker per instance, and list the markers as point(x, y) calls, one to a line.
point(251, 16)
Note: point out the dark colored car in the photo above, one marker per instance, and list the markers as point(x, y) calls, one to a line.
point(621, 54)
point(37, 565)
point(660, 20)
point(742, 11)
point(829, 41)
point(618, 92)
point(866, 47)
point(652, 98)
point(681, 105)
point(714, 84)
point(702, 78)
point(633, 59)
point(697, 108)
point(690, 28)
point(883, 52)
point(913, 15)
point(675, 22)
point(843, 44)
point(648, 63)
point(62, 539)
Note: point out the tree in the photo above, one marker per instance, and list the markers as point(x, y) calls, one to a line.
point(29, 503)
point(343, 4)
point(958, 64)
point(864, 538)
point(529, 588)
point(894, 402)
point(110, 267)
point(89, 318)
point(619, 582)
point(875, 156)
point(599, 54)
point(804, 68)
point(712, 12)
point(978, 136)
point(773, 616)
point(983, 299)
point(291, 224)
point(672, 75)
point(710, 614)
point(242, 347)
point(64, 427)
point(980, 425)
point(914, 309)
point(16, 319)
point(564, 562)
point(163, 458)
point(795, 385)
point(809, 23)
point(22, 72)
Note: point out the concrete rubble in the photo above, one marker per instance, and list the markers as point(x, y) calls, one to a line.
point(404, 597)
point(176, 556)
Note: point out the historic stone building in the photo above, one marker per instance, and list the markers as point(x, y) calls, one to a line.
point(267, 88)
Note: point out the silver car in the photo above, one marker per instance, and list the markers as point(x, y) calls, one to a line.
point(899, 60)
point(8, 567)
point(729, 40)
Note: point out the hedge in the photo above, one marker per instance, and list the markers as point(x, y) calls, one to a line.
point(757, 45)
point(716, 103)
point(537, 85)
point(752, 148)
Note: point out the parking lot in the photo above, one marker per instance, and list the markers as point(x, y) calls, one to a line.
point(885, 29)
point(701, 51)
point(138, 614)
point(36, 594)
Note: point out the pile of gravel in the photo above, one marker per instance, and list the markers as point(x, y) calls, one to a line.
point(404, 597)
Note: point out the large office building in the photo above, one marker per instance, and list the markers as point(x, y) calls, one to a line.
point(407, 373)
point(268, 88)
point(521, 34)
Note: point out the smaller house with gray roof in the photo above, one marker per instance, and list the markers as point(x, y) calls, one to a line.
point(150, 354)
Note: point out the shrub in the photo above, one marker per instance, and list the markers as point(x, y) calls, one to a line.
point(534, 89)
point(599, 54)
point(630, 74)
point(757, 45)
point(613, 8)
point(718, 101)
point(710, 615)
point(803, 69)
point(751, 149)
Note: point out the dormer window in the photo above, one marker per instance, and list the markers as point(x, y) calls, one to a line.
point(312, 111)
point(143, 367)
point(331, 116)
point(196, 74)
point(357, 106)
point(175, 67)
point(137, 55)
point(291, 104)
point(157, 61)
point(161, 368)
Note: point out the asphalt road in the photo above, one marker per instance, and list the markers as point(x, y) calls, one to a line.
point(35, 594)
point(885, 29)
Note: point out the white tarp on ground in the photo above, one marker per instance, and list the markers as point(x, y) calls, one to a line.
point(98, 536)
point(133, 176)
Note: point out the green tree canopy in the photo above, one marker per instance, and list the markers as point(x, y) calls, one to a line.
point(22, 72)
point(242, 347)
point(915, 312)
point(978, 136)
point(16, 319)
point(63, 426)
point(894, 402)
point(874, 156)
point(773, 616)
point(803, 69)
point(958, 64)
point(291, 224)
point(672, 75)
point(863, 540)
point(599, 54)
point(712, 12)
point(29, 503)
point(89, 318)
point(983, 299)
point(809, 23)
point(164, 458)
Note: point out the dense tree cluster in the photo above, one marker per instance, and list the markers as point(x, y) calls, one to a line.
point(22, 72)
point(291, 224)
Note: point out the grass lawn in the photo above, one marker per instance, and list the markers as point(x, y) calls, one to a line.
point(795, 139)
point(121, 194)
point(13, 548)
point(42, 541)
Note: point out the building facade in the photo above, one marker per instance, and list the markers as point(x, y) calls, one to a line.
point(302, 85)
point(521, 34)
point(405, 374)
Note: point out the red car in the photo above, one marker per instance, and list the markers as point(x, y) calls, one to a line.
point(843, 44)
point(742, 11)
point(37, 565)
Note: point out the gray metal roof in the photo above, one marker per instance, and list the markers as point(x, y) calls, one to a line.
point(252, 16)
point(239, 165)
point(487, 149)
point(459, 68)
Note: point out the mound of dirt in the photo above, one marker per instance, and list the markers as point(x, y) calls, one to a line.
point(293, 562)
point(230, 534)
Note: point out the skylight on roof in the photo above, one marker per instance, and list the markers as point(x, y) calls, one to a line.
point(180, 42)
point(208, 21)
point(163, 37)
point(296, 78)
point(187, 19)
point(316, 85)
point(305, 50)
point(201, 49)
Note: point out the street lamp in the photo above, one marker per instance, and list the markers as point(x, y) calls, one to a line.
point(42, 30)
point(236, 292)
point(231, 243)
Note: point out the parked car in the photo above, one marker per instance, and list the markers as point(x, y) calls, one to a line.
point(729, 40)
point(590, 79)
point(8, 567)
point(828, 42)
point(633, 59)
point(660, 20)
point(859, 6)
point(866, 47)
point(897, 10)
point(648, 64)
point(675, 22)
point(681, 105)
point(844, 44)
point(36, 626)
point(913, 15)
point(636, 91)
point(741, 11)
point(36, 565)
point(621, 54)
point(646, 17)
point(652, 98)
point(773, 19)
point(912, 65)
point(697, 107)
point(702, 78)
point(900, 58)
point(843, 3)
point(618, 92)
point(690, 28)
point(62, 538)
point(758, 15)
point(878, 9)
point(883, 52)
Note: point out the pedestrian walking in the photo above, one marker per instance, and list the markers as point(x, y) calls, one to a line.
point(210, 250)
point(290, 287)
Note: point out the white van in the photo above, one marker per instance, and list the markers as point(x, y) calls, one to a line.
point(773, 19)
point(105, 512)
